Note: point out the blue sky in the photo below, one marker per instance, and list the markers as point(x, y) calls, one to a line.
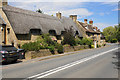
point(103, 14)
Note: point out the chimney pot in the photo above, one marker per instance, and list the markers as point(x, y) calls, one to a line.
point(96, 28)
point(85, 21)
point(91, 22)
point(73, 17)
point(58, 15)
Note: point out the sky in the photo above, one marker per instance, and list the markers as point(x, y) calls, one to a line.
point(103, 14)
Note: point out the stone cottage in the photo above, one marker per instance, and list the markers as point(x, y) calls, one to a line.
point(20, 26)
point(90, 31)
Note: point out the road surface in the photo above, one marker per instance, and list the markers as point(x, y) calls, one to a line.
point(90, 63)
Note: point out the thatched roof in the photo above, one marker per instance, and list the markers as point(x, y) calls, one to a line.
point(89, 28)
point(23, 21)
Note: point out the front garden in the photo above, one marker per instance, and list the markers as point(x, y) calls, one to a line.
point(48, 46)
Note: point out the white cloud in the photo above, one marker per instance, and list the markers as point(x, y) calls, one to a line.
point(104, 13)
point(116, 9)
point(101, 26)
point(112, 3)
point(66, 8)
point(79, 11)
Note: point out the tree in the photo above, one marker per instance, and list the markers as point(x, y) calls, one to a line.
point(109, 33)
point(39, 11)
point(69, 37)
point(118, 33)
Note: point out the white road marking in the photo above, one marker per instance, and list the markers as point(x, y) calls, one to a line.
point(44, 74)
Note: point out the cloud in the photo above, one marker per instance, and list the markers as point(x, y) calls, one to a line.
point(66, 8)
point(104, 13)
point(47, 6)
point(101, 26)
point(112, 3)
point(79, 11)
point(116, 9)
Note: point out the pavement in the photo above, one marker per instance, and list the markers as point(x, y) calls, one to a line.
point(90, 63)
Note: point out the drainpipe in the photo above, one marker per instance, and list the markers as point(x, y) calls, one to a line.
point(5, 35)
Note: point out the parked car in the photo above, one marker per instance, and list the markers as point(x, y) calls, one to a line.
point(10, 53)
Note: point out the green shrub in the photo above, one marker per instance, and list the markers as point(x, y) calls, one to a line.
point(86, 41)
point(31, 46)
point(48, 40)
point(69, 37)
point(51, 48)
point(77, 40)
point(113, 40)
point(92, 46)
point(98, 46)
point(60, 48)
point(103, 44)
point(83, 41)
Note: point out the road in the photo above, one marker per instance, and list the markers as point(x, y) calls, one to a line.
point(90, 63)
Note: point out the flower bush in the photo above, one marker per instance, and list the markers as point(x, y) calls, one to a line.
point(59, 48)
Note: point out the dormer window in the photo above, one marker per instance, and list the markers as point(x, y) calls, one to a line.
point(86, 27)
point(35, 31)
point(8, 30)
point(94, 29)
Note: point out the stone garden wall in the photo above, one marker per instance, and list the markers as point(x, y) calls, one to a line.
point(46, 52)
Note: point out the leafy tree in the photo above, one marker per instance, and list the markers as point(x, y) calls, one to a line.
point(109, 33)
point(69, 37)
point(39, 11)
point(118, 33)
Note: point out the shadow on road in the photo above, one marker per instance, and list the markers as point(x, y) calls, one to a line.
point(11, 63)
point(116, 55)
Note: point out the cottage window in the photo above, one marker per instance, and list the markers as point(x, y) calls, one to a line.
point(52, 32)
point(1, 28)
point(8, 30)
point(23, 36)
point(58, 37)
point(77, 32)
point(35, 31)
point(94, 29)
point(86, 27)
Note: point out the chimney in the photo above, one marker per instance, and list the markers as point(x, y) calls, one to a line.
point(91, 22)
point(58, 15)
point(0, 4)
point(85, 21)
point(73, 17)
point(3, 3)
point(96, 28)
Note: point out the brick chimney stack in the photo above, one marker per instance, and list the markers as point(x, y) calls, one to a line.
point(73, 17)
point(85, 21)
point(3, 3)
point(91, 22)
point(96, 28)
point(58, 15)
